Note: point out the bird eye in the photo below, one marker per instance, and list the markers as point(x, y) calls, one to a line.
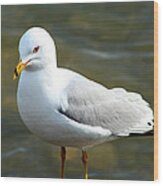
point(36, 49)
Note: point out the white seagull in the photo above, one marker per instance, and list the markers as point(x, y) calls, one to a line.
point(68, 109)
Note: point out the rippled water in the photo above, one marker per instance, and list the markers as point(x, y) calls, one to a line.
point(111, 43)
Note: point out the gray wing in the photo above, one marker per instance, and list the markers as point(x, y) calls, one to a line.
point(92, 104)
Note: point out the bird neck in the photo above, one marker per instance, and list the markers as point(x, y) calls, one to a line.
point(50, 56)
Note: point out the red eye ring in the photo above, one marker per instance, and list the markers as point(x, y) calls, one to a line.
point(36, 49)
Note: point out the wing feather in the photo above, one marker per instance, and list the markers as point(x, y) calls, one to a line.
point(122, 112)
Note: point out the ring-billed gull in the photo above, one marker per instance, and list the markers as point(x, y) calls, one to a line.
point(67, 109)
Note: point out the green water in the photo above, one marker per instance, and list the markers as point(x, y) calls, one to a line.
point(111, 43)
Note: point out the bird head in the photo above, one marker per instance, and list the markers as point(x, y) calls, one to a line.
point(36, 50)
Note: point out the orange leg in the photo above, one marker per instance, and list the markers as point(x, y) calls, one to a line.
point(85, 163)
point(63, 158)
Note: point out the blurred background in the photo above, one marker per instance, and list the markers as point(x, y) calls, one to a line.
point(111, 43)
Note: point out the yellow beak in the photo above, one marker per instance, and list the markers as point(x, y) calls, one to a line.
point(19, 68)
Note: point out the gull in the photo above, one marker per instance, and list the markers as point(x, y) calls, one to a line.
point(67, 109)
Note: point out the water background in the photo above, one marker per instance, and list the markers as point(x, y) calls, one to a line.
point(111, 43)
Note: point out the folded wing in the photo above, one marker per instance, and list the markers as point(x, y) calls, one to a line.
point(92, 104)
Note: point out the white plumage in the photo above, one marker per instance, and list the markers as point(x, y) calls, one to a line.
point(67, 109)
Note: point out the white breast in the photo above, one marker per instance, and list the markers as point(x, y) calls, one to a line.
point(38, 103)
